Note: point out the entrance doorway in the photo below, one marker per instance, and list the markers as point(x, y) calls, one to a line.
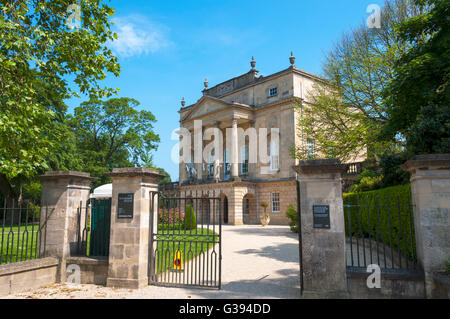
point(225, 210)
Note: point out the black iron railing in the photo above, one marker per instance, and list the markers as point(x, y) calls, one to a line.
point(23, 231)
point(380, 231)
point(227, 171)
point(244, 168)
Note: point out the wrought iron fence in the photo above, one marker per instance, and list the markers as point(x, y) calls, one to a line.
point(380, 231)
point(23, 231)
point(93, 225)
point(186, 245)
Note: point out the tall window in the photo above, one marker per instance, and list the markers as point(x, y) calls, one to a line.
point(275, 199)
point(274, 156)
point(211, 165)
point(244, 160)
point(227, 165)
point(190, 168)
point(310, 148)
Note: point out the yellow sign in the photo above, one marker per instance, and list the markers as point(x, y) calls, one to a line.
point(178, 261)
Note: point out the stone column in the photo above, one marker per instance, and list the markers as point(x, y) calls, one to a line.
point(235, 209)
point(234, 151)
point(62, 194)
point(129, 245)
point(430, 185)
point(198, 148)
point(323, 249)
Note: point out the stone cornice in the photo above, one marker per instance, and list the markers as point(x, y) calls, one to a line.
point(67, 174)
point(135, 172)
point(263, 79)
point(431, 161)
point(321, 166)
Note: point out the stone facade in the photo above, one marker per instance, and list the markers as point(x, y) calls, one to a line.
point(250, 101)
point(256, 193)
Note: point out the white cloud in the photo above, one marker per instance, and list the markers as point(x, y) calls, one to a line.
point(137, 36)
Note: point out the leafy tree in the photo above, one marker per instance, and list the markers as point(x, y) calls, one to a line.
point(418, 96)
point(38, 54)
point(111, 134)
point(162, 171)
point(345, 112)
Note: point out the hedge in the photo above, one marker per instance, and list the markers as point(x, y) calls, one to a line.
point(393, 205)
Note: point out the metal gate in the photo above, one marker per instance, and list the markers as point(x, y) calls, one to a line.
point(186, 244)
point(93, 225)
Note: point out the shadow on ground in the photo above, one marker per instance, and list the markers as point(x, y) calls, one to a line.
point(261, 231)
point(281, 252)
point(287, 287)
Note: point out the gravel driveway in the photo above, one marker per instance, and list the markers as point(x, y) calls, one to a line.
point(257, 263)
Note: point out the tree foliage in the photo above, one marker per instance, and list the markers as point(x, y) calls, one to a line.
point(112, 133)
point(38, 53)
point(418, 96)
point(345, 113)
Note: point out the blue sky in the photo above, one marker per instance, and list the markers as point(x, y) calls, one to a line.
point(167, 48)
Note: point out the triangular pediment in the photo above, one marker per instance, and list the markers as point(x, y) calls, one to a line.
point(207, 105)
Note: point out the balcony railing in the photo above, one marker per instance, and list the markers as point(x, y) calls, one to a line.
point(354, 169)
point(211, 170)
point(227, 172)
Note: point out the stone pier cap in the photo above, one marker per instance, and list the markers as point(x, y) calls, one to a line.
point(320, 166)
point(136, 172)
point(430, 161)
point(52, 175)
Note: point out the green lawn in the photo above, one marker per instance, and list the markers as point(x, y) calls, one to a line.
point(190, 243)
point(16, 246)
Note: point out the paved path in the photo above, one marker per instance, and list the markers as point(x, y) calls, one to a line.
point(257, 263)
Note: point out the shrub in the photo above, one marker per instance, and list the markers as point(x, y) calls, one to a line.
point(448, 267)
point(393, 174)
point(366, 181)
point(292, 214)
point(170, 216)
point(398, 217)
point(190, 219)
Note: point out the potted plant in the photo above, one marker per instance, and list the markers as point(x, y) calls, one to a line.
point(265, 217)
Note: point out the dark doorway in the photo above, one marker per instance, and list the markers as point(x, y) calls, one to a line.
point(225, 210)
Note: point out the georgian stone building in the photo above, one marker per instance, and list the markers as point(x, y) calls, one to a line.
point(250, 100)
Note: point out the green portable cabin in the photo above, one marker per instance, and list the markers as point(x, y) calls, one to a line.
point(100, 202)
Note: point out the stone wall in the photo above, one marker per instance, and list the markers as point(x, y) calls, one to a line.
point(31, 274)
point(94, 271)
point(393, 286)
point(441, 286)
